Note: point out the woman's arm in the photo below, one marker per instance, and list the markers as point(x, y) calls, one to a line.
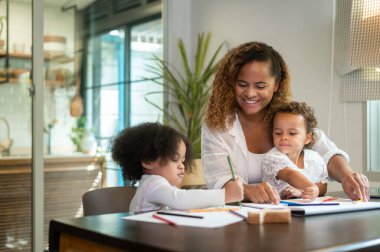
point(354, 184)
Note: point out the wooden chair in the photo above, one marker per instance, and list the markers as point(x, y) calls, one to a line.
point(107, 200)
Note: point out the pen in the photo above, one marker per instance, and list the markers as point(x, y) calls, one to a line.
point(329, 199)
point(238, 214)
point(172, 223)
point(181, 215)
point(232, 173)
point(291, 203)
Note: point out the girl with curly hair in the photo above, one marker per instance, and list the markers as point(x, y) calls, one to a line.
point(158, 156)
point(290, 167)
point(252, 80)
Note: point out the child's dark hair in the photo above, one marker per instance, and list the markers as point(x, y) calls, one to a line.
point(147, 142)
point(297, 108)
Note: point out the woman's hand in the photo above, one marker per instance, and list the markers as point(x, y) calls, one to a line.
point(261, 193)
point(356, 186)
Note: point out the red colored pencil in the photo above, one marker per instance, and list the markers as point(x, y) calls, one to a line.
point(172, 223)
point(329, 199)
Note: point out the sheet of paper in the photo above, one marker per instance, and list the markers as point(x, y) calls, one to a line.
point(213, 219)
point(263, 206)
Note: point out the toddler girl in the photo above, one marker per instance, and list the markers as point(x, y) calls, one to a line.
point(158, 156)
point(290, 162)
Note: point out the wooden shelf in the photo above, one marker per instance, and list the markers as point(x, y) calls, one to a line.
point(49, 56)
point(48, 83)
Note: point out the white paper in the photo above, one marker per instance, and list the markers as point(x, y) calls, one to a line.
point(210, 219)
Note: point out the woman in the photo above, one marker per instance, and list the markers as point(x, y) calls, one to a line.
point(251, 80)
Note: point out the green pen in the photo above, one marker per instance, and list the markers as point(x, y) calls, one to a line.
point(232, 173)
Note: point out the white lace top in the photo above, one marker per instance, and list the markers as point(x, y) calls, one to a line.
point(274, 161)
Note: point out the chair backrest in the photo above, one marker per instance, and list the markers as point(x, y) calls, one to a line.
point(107, 200)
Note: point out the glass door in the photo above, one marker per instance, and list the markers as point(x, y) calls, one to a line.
point(15, 126)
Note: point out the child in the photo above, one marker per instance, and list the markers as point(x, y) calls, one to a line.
point(158, 156)
point(290, 162)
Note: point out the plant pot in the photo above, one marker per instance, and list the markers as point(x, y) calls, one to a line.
point(88, 143)
point(196, 179)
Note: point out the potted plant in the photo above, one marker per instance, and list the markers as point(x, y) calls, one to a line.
point(82, 137)
point(188, 89)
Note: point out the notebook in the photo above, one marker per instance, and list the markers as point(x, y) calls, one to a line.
point(374, 192)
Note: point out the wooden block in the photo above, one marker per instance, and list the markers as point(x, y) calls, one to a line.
point(277, 215)
point(254, 217)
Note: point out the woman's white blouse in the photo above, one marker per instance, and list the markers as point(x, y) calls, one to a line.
point(274, 161)
point(155, 192)
point(216, 145)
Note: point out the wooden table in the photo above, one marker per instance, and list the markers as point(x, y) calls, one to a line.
point(333, 232)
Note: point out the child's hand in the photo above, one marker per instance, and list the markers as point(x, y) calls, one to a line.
point(234, 191)
point(290, 192)
point(310, 192)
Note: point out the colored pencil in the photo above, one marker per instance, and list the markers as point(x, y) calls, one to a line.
point(292, 203)
point(232, 173)
point(238, 214)
point(181, 215)
point(172, 223)
point(329, 199)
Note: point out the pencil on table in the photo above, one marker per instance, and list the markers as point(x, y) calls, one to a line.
point(232, 173)
point(172, 223)
point(329, 199)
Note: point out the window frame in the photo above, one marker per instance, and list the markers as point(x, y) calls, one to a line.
point(372, 175)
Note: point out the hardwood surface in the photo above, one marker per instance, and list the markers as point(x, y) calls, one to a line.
point(346, 231)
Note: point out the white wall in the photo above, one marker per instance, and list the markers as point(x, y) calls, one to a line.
point(301, 30)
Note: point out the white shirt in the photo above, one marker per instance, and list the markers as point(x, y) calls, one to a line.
point(154, 192)
point(274, 161)
point(216, 145)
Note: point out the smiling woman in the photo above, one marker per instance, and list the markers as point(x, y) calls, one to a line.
point(252, 80)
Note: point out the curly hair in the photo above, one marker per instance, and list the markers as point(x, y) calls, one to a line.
point(296, 108)
point(222, 105)
point(147, 142)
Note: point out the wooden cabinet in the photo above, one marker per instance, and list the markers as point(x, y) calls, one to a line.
point(66, 180)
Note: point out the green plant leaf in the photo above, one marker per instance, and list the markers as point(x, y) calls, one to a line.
point(188, 91)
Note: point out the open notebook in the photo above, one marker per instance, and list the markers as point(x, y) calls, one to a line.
point(319, 207)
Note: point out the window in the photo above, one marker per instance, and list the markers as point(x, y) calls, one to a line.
point(116, 82)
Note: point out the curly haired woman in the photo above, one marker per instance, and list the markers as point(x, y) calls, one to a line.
point(252, 79)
